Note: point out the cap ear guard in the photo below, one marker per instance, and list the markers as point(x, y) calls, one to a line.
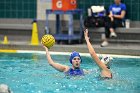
point(106, 59)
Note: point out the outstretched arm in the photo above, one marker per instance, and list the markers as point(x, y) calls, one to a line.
point(93, 53)
point(57, 66)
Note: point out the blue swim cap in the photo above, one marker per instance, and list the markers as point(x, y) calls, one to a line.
point(74, 54)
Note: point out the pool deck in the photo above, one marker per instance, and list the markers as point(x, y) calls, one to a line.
point(119, 49)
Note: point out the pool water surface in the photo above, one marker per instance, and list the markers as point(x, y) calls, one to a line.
point(30, 73)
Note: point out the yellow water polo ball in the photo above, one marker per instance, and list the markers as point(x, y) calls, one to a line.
point(48, 40)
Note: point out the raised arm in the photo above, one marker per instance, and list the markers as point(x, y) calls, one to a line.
point(93, 53)
point(57, 66)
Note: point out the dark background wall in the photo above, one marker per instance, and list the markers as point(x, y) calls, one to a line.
point(27, 8)
point(18, 8)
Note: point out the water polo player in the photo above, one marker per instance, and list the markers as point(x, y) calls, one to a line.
point(75, 60)
point(105, 70)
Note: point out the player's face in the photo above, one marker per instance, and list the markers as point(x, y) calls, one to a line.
point(76, 62)
point(117, 1)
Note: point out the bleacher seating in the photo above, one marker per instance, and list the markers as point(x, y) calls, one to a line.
point(130, 35)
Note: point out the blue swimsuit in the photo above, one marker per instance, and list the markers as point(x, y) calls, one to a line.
point(75, 72)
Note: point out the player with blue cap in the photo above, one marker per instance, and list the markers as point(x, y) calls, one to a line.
point(74, 54)
point(75, 60)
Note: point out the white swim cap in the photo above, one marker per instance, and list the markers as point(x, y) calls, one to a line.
point(4, 88)
point(106, 59)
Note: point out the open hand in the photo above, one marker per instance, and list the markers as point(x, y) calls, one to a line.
point(86, 34)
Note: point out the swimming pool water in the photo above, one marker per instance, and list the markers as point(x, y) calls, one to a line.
point(30, 73)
